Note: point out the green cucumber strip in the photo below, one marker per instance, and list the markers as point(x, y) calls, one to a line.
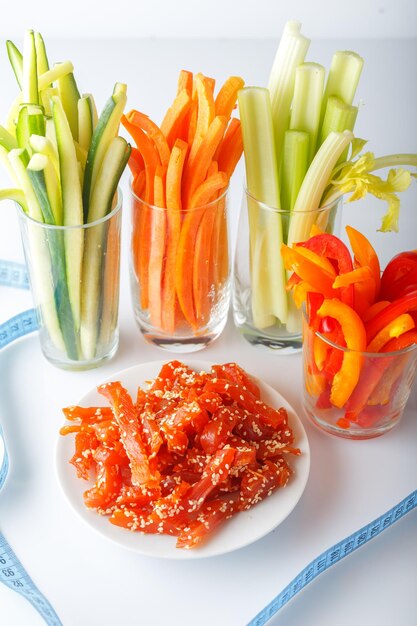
point(45, 146)
point(269, 298)
point(69, 95)
point(4, 160)
point(13, 114)
point(30, 121)
point(52, 75)
point(41, 163)
point(35, 169)
point(19, 159)
point(106, 129)
point(30, 75)
point(81, 155)
point(16, 195)
point(85, 122)
point(16, 61)
point(45, 96)
point(114, 163)
point(93, 108)
point(7, 140)
point(294, 166)
point(71, 204)
point(306, 106)
point(42, 64)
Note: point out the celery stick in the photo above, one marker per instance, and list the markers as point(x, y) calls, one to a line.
point(314, 184)
point(59, 70)
point(269, 297)
point(16, 61)
point(306, 107)
point(42, 64)
point(30, 75)
point(294, 166)
point(291, 52)
point(338, 117)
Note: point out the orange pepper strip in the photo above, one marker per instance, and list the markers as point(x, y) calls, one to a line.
point(313, 273)
point(186, 245)
point(374, 309)
point(360, 274)
point(205, 114)
point(173, 204)
point(346, 379)
point(231, 148)
point(157, 248)
point(365, 254)
point(395, 328)
point(154, 133)
point(316, 230)
point(174, 120)
point(196, 173)
point(316, 258)
point(226, 98)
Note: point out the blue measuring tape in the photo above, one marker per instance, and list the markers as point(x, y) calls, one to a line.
point(13, 574)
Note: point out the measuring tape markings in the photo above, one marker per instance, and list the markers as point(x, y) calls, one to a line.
point(13, 574)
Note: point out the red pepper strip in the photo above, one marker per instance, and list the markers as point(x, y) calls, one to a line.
point(401, 305)
point(210, 517)
point(398, 274)
point(127, 419)
point(323, 401)
point(319, 278)
point(374, 309)
point(245, 399)
point(314, 302)
point(346, 378)
point(217, 431)
point(300, 292)
point(333, 248)
point(215, 472)
point(396, 328)
point(370, 377)
point(403, 341)
point(234, 373)
point(365, 255)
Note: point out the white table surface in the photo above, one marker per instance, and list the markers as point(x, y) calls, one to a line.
point(92, 581)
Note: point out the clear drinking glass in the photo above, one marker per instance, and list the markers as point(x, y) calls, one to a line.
point(180, 273)
point(378, 398)
point(74, 278)
point(263, 311)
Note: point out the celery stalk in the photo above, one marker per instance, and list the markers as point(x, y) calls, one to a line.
point(291, 52)
point(338, 117)
point(306, 107)
point(294, 166)
point(269, 298)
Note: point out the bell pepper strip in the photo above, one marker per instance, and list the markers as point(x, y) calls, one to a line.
point(321, 261)
point(375, 308)
point(318, 277)
point(396, 328)
point(330, 247)
point(370, 378)
point(400, 272)
point(157, 248)
point(365, 255)
point(360, 274)
point(346, 378)
point(400, 343)
point(313, 303)
point(173, 122)
point(127, 419)
point(405, 304)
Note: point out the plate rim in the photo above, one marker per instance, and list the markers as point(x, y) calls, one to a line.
point(83, 512)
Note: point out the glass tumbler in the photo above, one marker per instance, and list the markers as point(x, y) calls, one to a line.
point(379, 394)
point(263, 310)
point(180, 273)
point(74, 278)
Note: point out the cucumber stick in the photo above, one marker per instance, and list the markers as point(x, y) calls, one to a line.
point(55, 241)
point(69, 95)
point(16, 61)
point(41, 163)
point(7, 140)
point(19, 159)
point(59, 70)
point(46, 147)
point(31, 121)
point(106, 129)
point(42, 64)
point(113, 164)
point(85, 122)
point(72, 206)
point(30, 74)
point(16, 195)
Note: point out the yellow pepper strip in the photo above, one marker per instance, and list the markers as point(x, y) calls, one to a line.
point(345, 380)
point(358, 275)
point(397, 327)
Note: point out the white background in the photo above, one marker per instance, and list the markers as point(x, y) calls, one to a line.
point(91, 581)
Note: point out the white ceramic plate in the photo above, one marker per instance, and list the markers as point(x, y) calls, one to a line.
point(241, 530)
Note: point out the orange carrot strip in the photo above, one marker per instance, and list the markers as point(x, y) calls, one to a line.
point(226, 98)
point(205, 114)
point(196, 174)
point(231, 148)
point(173, 204)
point(154, 133)
point(136, 162)
point(185, 81)
point(157, 248)
point(186, 246)
point(174, 120)
point(220, 247)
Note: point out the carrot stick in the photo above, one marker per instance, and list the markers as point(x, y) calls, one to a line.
point(205, 114)
point(220, 247)
point(186, 245)
point(154, 133)
point(185, 81)
point(173, 204)
point(173, 125)
point(231, 148)
point(148, 152)
point(136, 162)
point(138, 187)
point(195, 174)
point(227, 96)
point(157, 248)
